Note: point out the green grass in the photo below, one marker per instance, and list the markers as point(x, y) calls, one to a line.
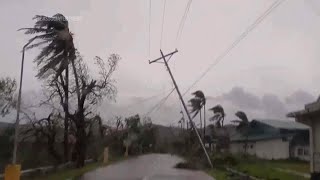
point(303, 167)
point(218, 174)
point(266, 169)
point(68, 174)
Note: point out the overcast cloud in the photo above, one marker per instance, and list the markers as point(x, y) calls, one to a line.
point(273, 70)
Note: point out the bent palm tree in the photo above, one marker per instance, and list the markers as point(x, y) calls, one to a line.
point(218, 115)
point(52, 33)
point(199, 94)
point(218, 119)
point(243, 119)
point(197, 103)
point(243, 127)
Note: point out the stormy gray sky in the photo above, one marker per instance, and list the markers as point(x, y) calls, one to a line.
point(272, 71)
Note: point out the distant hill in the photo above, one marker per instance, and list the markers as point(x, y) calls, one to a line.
point(5, 124)
point(165, 133)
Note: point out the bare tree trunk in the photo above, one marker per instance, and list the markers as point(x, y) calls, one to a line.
point(246, 145)
point(222, 122)
point(53, 151)
point(200, 122)
point(77, 81)
point(66, 117)
point(204, 122)
point(81, 144)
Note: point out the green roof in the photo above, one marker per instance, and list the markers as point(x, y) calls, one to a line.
point(255, 137)
point(283, 124)
point(263, 129)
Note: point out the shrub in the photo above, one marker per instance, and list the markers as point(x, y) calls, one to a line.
point(186, 165)
point(224, 160)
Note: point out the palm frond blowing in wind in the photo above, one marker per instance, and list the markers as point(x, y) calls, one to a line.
point(243, 127)
point(53, 35)
point(197, 103)
point(242, 121)
point(57, 51)
point(218, 115)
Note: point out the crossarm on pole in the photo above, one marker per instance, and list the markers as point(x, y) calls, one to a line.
point(160, 58)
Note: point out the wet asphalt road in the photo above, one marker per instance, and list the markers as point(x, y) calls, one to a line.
point(146, 167)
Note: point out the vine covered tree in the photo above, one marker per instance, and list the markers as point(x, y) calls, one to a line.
point(7, 88)
point(90, 92)
point(45, 129)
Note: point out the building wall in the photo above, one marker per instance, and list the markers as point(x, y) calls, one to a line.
point(301, 152)
point(236, 148)
point(266, 149)
point(315, 140)
point(273, 149)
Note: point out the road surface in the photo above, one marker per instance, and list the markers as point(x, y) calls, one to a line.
point(146, 167)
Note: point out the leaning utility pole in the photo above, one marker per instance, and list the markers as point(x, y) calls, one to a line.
point(163, 57)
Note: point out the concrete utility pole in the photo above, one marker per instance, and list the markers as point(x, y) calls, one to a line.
point(12, 171)
point(16, 131)
point(163, 57)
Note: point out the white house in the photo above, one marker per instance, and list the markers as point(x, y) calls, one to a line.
point(311, 116)
point(272, 139)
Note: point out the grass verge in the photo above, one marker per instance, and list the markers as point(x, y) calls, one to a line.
point(72, 173)
point(264, 169)
point(218, 174)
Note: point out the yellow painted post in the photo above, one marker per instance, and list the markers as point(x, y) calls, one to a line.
point(12, 172)
point(106, 155)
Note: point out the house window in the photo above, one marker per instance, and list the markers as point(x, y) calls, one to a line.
point(300, 151)
point(306, 152)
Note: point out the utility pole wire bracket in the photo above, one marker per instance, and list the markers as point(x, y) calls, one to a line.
point(160, 58)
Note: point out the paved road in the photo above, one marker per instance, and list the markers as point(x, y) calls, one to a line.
point(146, 167)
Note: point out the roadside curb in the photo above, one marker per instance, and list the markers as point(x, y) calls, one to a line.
point(293, 172)
point(241, 173)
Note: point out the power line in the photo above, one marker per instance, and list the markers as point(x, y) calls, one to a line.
point(158, 105)
point(237, 41)
point(181, 25)
point(182, 22)
point(149, 45)
point(313, 7)
point(163, 14)
point(143, 101)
